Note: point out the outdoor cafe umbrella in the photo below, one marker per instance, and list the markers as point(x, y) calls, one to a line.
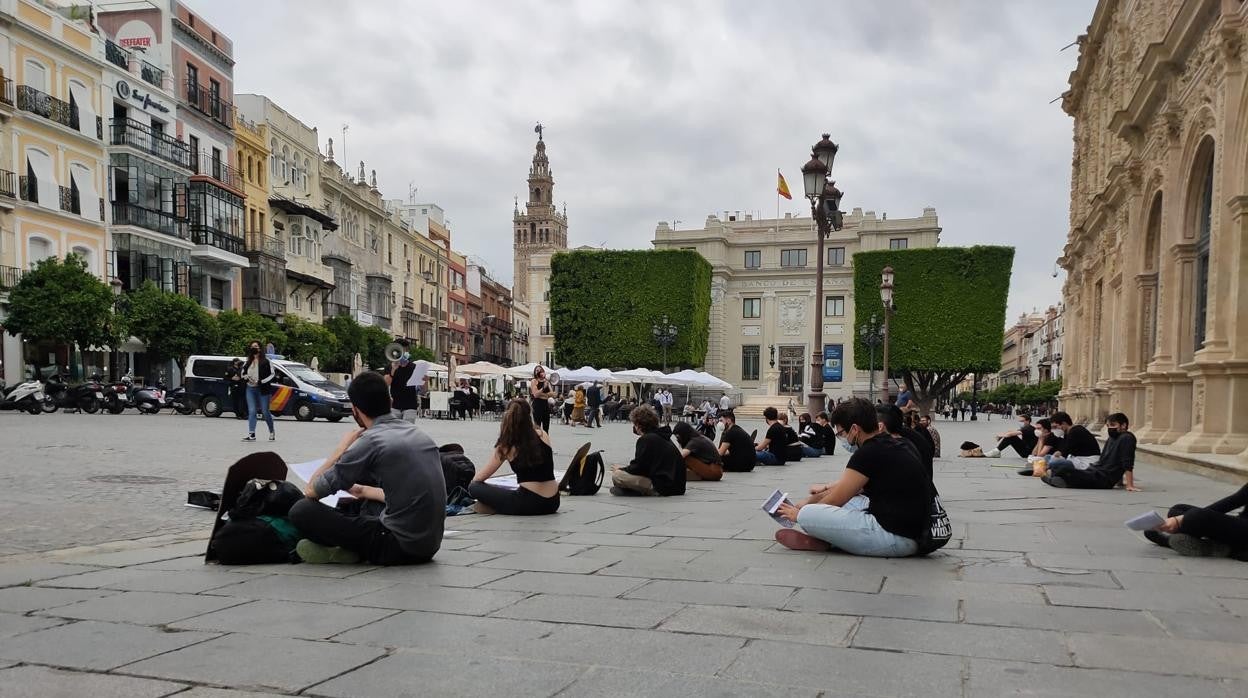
point(481, 368)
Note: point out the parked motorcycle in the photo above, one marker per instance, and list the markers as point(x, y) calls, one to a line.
point(26, 396)
point(181, 401)
point(149, 399)
point(85, 397)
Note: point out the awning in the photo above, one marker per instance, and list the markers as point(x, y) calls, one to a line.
point(296, 208)
point(49, 189)
point(88, 199)
point(86, 109)
point(308, 279)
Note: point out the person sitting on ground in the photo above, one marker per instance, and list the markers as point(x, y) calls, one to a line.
point(406, 468)
point(707, 426)
point(810, 436)
point(793, 450)
point(1078, 445)
point(925, 423)
point(829, 438)
point(771, 450)
point(890, 420)
point(527, 449)
point(735, 445)
point(702, 459)
point(656, 468)
point(1022, 440)
point(880, 506)
point(1046, 443)
point(1115, 465)
point(1207, 531)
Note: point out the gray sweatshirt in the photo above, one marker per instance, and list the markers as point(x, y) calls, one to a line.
point(403, 461)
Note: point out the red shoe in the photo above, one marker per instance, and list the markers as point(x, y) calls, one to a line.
point(796, 540)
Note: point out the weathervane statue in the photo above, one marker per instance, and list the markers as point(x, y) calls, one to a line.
point(538, 130)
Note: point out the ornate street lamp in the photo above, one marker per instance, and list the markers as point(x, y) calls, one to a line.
point(886, 296)
point(665, 336)
point(873, 336)
point(825, 208)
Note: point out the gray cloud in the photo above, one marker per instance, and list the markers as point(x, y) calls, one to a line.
point(672, 110)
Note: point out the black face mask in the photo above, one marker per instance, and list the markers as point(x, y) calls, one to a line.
point(252, 351)
point(1112, 432)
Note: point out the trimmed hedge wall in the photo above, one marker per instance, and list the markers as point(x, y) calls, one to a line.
point(604, 303)
point(950, 307)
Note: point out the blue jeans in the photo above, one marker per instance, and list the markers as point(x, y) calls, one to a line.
point(851, 529)
point(811, 452)
point(255, 403)
point(766, 458)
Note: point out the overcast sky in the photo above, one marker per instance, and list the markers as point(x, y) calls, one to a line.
point(660, 110)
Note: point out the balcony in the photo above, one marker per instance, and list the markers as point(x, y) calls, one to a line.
point(547, 331)
point(8, 184)
point(116, 55)
point(496, 323)
point(209, 103)
point(409, 303)
point(45, 105)
point(9, 276)
point(140, 136)
point(265, 244)
point(6, 92)
point(151, 74)
point(217, 245)
point(129, 214)
point(217, 168)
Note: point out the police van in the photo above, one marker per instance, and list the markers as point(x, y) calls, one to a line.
point(297, 390)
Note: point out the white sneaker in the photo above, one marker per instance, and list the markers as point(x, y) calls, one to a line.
point(994, 453)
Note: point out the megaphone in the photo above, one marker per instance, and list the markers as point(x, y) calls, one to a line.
point(553, 377)
point(394, 351)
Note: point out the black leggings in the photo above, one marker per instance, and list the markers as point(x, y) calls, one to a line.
point(1215, 522)
point(1090, 479)
point(541, 412)
point(517, 502)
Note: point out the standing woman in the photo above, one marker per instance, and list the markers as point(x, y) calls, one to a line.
point(540, 394)
point(527, 448)
point(258, 373)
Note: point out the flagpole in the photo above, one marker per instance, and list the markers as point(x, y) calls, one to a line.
point(777, 199)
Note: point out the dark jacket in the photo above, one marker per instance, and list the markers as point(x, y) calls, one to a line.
point(266, 373)
point(658, 459)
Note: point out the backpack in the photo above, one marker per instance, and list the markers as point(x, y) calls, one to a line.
point(255, 541)
point(584, 474)
point(265, 497)
point(457, 469)
point(938, 532)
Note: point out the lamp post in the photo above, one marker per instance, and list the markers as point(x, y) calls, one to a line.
point(872, 335)
point(886, 296)
point(665, 335)
point(825, 209)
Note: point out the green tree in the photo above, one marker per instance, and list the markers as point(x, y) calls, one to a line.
point(240, 329)
point(172, 326)
point(305, 340)
point(375, 341)
point(604, 305)
point(419, 352)
point(950, 312)
point(350, 336)
point(63, 303)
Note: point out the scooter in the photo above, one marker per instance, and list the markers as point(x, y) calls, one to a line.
point(180, 401)
point(149, 399)
point(28, 396)
point(86, 397)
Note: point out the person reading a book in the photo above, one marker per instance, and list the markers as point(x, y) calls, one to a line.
point(523, 445)
point(1116, 464)
point(1206, 531)
point(702, 459)
point(880, 506)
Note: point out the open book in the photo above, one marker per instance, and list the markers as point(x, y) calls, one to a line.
point(773, 504)
point(1145, 522)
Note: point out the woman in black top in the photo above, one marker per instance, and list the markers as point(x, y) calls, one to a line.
point(527, 449)
point(540, 394)
point(258, 374)
point(702, 459)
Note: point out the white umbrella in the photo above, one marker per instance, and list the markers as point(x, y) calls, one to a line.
point(525, 371)
point(481, 368)
point(636, 375)
point(713, 382)
point(582, 374)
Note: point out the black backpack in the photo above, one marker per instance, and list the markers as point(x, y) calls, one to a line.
point(255, 541)
point(584, 474)
point(939, 529)
point(457, 469)
point(265, 498)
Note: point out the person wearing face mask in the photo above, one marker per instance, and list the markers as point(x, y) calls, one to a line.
point(1022, 439)
point(540, 392)
point(735, 445)
point(1116, 464)
point(404, 400)
point(890, 420)
point(880, 506)
point(258, 373)
point(657, 469)
point(406, 468)
point(1078, 445)
point(1046, 443)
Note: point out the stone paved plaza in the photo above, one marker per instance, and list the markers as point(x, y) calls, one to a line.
point(1042, 591)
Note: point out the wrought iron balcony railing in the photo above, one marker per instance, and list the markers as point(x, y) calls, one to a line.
point(268, 244)
point(207, 235)
point(8, 184)
point(217, 168)
point(209, 103)
point(125, 213)
point(141, 136)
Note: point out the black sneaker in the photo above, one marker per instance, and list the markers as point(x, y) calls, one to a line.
point(1053, 481)
point(1158, 538)
point(1191, 546)
point(250, 437)
point(1028, 472)
point(621, 492)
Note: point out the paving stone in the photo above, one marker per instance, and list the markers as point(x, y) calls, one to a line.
point(689, 532)
point(122, 579)
point(441, 632)
point(444, 675)
point(1020, 574)
point(142, 607)
point(713, 593)
point(301, 570)
point(917, 586)
point(434, 574)
point(413, 597)
point(293, 588)
point(1065, 618)
point(849, 603)
point(816, 579)
point(598, 585)
point(1160, 655)
point(848, 671)
point(618, 683)
point(257, 663)
point(693, 571)
point(27, 599)
point(764, 624)
point(25, 572)
point(620, 613)
point(94, 645)
point(995, 678)
point(12, 624)
point(1237, 606)
point(1102, 562)
point(203, 692)
point(615, 539)
point(527, 547)
point(125, 558)
point(1202, 626)
point(47, 682)
point(547, 563)
point(646, 650)
point(464, 557)
point(1138, 600)
point(962, 640)
point(308, 621)
point(615, 554)
point(1183, 584)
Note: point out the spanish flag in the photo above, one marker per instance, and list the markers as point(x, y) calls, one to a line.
point(782, 187)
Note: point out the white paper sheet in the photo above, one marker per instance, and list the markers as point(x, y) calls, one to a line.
point(305, 470)
point(1145, 522)
point(509, 481)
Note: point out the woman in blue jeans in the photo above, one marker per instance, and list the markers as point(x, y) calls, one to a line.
point(258, 372)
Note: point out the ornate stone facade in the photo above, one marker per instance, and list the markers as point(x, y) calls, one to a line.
point(541, 229)
point(1157, 255)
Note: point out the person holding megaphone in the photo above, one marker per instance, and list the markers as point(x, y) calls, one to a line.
point(404, 400)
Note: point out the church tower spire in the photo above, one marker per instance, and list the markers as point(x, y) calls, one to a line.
point(541, 228)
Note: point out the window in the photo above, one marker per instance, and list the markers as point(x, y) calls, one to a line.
point(899, 244)
point(751, 307)
point(42, 187)
point(216, 165)
point(793, 258)
point(834, 306)
point(36, 75)
point(192, 79)
point(87, 256)
point(1204, 230)
point(836, 256)
point(216, 298)
point(38, 249)
point(753, 259)
point(82, 186)
point(193, 144)
point(749, 362)
point(214, 95)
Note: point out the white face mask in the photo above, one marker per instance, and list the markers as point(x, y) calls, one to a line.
point(1059, 433)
